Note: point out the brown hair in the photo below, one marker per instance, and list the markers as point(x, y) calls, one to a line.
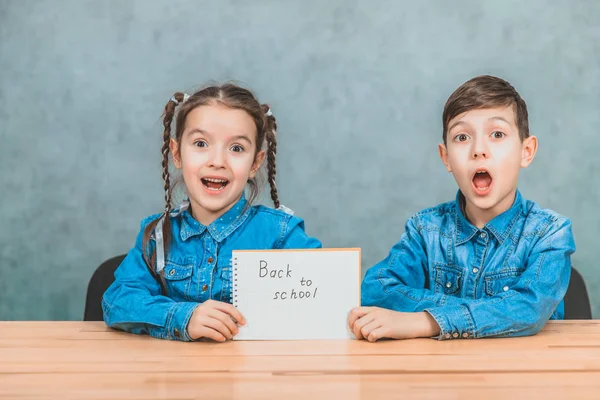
point(231, 96)
point(486, 92)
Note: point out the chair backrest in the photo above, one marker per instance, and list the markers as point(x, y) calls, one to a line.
point(99, 282)
point(577, 302)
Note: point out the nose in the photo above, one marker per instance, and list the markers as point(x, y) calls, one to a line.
point(480, 149)
point(217, 158)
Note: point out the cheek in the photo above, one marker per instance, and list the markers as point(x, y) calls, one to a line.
point(457, 162)
point(509, 158)
point(191, 162)
point(241, 165)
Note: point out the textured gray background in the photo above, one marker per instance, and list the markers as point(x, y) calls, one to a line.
point(358, 89)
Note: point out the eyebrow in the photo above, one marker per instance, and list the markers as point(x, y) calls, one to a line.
point(205, 133)
point(454, 125)
point(200, 131)
point(499, 119)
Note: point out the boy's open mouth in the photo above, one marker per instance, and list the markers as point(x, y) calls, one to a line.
point(215, 184)
point(482, 180)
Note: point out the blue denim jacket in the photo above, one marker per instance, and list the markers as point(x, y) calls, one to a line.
point(506, 279)
point(197, 268)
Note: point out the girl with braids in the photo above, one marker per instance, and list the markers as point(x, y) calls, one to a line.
point(176, 281)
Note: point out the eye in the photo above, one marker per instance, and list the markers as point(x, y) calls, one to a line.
point(461, 137)
point(200, 143)
point(237, 148)
point(498, 135)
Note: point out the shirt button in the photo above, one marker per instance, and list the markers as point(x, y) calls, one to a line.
point(172, 272)
point(447, 336)
point(176, 333)
point(505, 288)
point(455, 335)
point(448, 285)
point(204, 287)
point(482, 235)
point(475, 270)
point(210, 260)
point(465, 335)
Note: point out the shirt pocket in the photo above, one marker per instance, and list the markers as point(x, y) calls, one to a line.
point(448, 279)
point(178, 276)
point(501, 282)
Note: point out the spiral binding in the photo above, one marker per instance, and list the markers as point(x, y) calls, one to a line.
point(234, 286)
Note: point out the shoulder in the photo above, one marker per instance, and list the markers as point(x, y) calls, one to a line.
point(434, 218)
point(146, 221)
point(143, 225)
point(271, 216)
point(543, 220)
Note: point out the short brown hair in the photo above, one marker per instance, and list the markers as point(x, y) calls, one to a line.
point(486, 92)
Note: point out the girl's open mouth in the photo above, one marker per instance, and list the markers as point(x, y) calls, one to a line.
point(214, 184)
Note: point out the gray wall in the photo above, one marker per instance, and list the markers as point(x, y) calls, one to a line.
point(358, 89)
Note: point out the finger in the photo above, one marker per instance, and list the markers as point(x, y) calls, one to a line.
point(355, 314)
point(358, 325)
point(217, 325)
point(352, 321)
point(230, 310)
point(368, 328)
point(209, 333)
point(357, 333)
point(225, 319)
point(376, 334)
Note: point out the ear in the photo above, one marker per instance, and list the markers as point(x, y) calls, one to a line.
point(444, 156)
point(260, 157)
point(529, 149)
point(175, 152)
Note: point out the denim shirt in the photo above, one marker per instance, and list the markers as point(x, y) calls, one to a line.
point(197, 267)
point(506, 279)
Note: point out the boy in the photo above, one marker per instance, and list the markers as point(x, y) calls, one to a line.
point(490, 263)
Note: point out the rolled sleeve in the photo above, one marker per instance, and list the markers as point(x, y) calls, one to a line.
point(454, 321)
point(177, 321)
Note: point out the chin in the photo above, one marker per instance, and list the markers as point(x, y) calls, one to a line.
point(483, 202)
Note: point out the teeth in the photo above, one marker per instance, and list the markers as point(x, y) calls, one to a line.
point(215, 180)
point(480, 172)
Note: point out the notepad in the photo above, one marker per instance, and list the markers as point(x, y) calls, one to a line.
point(296, 294)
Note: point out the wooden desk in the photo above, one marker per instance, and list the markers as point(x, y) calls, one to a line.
point(78, 360)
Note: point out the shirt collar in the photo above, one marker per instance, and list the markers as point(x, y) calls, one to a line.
point(500, 226)
point(218, 229)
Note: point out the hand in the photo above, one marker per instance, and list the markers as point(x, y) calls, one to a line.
point(215, 320)
point(374, 323)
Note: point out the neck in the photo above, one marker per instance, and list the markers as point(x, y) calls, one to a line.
point(207, 217)
point(479, 217)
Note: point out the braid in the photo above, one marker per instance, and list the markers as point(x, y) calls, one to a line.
point(167, 119)
point(271, 152)
point(169, 113)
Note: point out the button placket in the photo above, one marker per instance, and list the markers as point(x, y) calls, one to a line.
point(207, 267)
